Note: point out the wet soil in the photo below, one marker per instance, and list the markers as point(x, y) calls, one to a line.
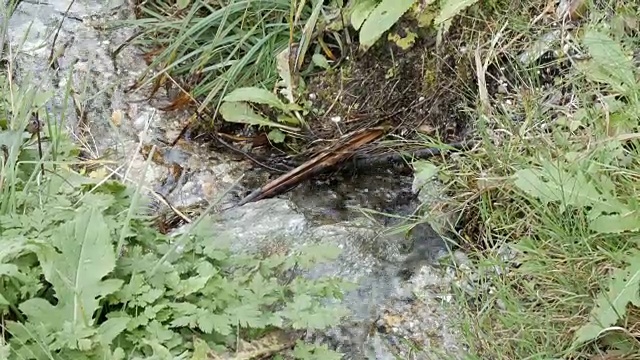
point(418, 91)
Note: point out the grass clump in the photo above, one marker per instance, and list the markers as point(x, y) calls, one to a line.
point(550, 197)
point(214, 48)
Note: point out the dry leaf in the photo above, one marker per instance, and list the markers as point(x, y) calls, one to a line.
point(116, 117)
point(427, 129)
point(571, 9)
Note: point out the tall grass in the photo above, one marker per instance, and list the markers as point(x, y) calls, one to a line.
point(32, 142)
point(218, 46)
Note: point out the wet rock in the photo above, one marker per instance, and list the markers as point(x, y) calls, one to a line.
point(257, 224)
point(387, 313)
point(346, 196)
point(106, 119)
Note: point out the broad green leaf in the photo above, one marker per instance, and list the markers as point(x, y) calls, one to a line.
point(182, 4)
point(245, 315)
point(83, 257)
point(38, 308)
point(381, 19)
point(192, 285)
point(305, 313)
point(8, 269)
point(361, 11)
point(160, 352)
point(557, 185)
point(255, 95)
point(595, 73)
point(21, 336)
point(4, 301)
point(158, 331)
point(19, 245)
point(293, 107)
point(240, 112)
point(609, 63)
point(10, 138)
point(5, 350)
point(618, 223)
point(451, 8)
point(624, 287)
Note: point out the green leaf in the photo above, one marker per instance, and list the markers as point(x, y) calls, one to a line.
point(361, 11)
point(38, 308)
point(22, 335)
point(608, 224)
point(246, 315)
point(11, 138)
point(321, 61)
point(276, 136)
point(608, 64)
point(451, 8)
point(424, 170)
point(182, 4)
point(624, 287)
point(314, 254)
point(286, 84)
point(192, 285)
point(200, 350)
point(83, 257)
point(305, 351)
point(240, 112)
point(111, 328)
point(381, 19)
point(160, 352)
point(208, 322)
point(286, 119)
point(553, 184)
point(9, 270)
point(255, 95)
point(5, 350)
point(305, 313)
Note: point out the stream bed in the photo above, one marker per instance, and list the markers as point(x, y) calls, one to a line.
point(392, 315)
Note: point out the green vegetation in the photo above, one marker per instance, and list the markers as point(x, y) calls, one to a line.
point(83, 274)
point(212, 50)
point(548, 197)
point(216, 47)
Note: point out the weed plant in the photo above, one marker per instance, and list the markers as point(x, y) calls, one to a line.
point(551, 197)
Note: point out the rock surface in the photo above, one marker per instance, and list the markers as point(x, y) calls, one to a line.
point(390, 316)
point(387, 312)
